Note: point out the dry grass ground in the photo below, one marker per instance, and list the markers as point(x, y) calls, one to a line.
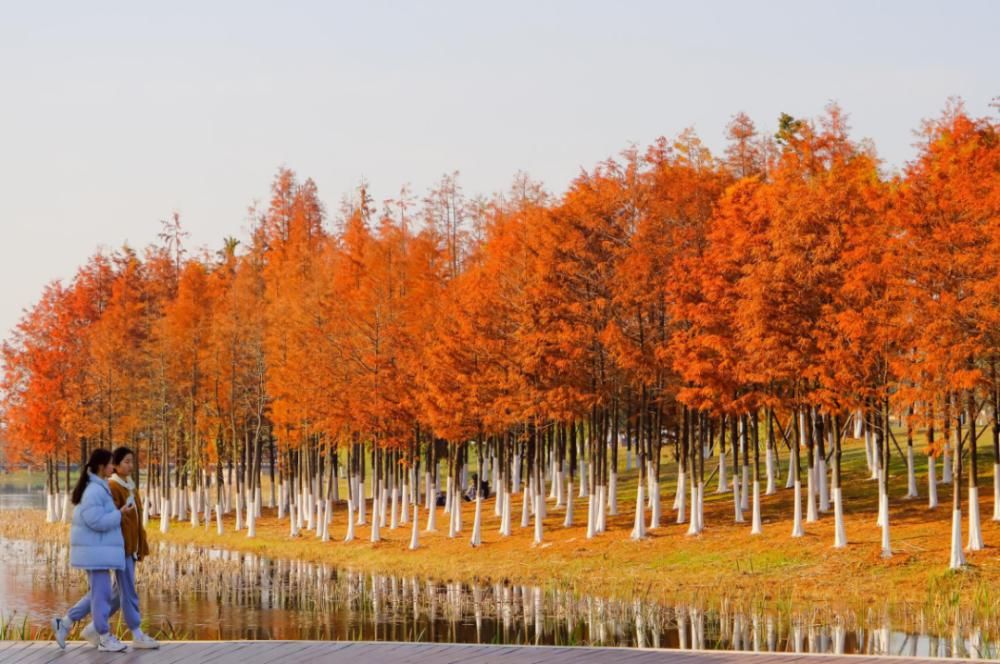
point(724, 561)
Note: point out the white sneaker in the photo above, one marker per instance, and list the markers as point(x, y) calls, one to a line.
point(60, 629)
point(143, 641)
point(90, 635)
point(110, 643)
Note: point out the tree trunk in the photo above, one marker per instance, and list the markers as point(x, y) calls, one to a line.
point(975, 542)
point(957, 555)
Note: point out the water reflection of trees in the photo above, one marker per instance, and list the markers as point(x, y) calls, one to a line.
point(320, 601)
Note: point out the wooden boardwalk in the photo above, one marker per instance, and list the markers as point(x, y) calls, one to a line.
point(365, 652)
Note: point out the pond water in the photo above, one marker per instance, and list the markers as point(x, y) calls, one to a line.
point(14, 496)
point(194, 593)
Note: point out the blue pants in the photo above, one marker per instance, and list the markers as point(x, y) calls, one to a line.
point(101, 603)
point(97, 601)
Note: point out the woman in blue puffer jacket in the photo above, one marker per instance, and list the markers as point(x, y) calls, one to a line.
point(96, 546)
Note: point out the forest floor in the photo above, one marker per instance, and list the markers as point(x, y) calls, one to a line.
point(724, 562)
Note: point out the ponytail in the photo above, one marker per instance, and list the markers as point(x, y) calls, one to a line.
point(98, 459)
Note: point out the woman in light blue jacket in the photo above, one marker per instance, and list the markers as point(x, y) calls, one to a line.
point(96, 546)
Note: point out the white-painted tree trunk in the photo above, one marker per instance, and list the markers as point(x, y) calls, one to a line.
point(824, 485)
point(745, 489)
point(327, 519)
point(432, 517)
point(679, 493)
point(251, 508)
point(769, 470)
point(539, 514)
point(394, 512)
point(207, 507)
point(383, 505)
point(797, 530)
point(649, 484)
point(164, 515)
point(701, 507)
point(811, 515)
point(932, 496)
point(591, 518)
point(293, 521)
point(404, 504)
point(946, 463)
point(361, 503)
point(448, 494)
point(839, 532)
point(218, 518)
point(543, 506)
point(500, 487)
point(252, 523)
point(737, 501)
point(790, 480)
point(680, 502)
point(886, 546)
point(869, 455)
point(881, 511)
point(693, 528)
point(349, 537)
point(50, 507)
point(755, 518)
point(505, 525)
point(975, 542)
point(654, 512)
point(568, 521)
point(996, 493)
point(517, 472)
point(600, 507)
point(723, 481)
point(526, 507)
point(477, 524)
point(639, 528)
point(876, 462)
point(415, 529)
point(181, 503)
point(457, 510)
point(957, 555)
point(613, 493)
point(584, 480)
point(911, 475)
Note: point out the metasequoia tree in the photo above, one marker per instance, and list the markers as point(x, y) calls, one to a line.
point(745, 311)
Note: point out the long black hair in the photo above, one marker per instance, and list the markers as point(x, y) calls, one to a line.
point(98, 459)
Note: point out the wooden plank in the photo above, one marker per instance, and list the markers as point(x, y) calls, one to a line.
point(334, 652)
point(28, 653)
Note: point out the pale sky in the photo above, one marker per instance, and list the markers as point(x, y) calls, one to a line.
point(113, 115)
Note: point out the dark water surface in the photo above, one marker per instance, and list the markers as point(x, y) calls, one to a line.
point(196, 593)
